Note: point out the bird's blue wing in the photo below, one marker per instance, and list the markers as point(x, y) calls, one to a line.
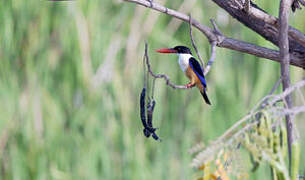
point(198, 70)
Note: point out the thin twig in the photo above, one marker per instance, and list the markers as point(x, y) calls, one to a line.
point(288, 91)
point(216, 30)
point(163, 76)
point(285, 73)
point(267, 98)
point(153, 88)
point(220, 37)
point(145, 74)
point(276, 85)
point(193, 43)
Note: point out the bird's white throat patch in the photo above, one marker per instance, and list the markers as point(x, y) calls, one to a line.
point(183, 61)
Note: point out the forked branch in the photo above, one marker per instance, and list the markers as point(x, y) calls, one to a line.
point(221, 40)
point(160, 76)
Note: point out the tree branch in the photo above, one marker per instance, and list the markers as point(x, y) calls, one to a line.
point(222, 41)
point(264, 24)
point(285, 73)
point(258, 13)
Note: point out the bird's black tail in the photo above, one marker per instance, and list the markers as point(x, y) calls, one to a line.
point(205, 97)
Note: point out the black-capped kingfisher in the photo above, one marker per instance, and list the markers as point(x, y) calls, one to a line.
point(191, 67)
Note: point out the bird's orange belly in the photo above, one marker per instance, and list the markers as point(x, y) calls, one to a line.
point(193, 77)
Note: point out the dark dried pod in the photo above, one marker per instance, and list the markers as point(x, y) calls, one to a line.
point(154, 135)
point(146, 132)
point(148, 127)
point(142, 107)
point(150, 110)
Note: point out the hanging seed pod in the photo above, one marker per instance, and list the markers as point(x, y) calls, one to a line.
point(142, 106)
point(148, 128)
point(150, 110)
point(154, 135)
point(142, 112)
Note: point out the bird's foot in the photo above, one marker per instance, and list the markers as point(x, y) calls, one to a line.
point(189, 85)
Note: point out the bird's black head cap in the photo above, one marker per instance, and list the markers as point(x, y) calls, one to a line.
point(182, 50)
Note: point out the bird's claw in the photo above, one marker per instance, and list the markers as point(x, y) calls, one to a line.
point(189, 85)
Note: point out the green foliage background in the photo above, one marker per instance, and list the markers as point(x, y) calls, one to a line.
point(55, 125)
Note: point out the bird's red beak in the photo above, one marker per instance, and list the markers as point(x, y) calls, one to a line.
point(166, 51)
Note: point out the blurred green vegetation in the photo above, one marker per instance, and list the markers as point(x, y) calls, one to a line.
point(70, 79)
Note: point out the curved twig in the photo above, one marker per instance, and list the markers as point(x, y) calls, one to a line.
point(162, 76)
point(193, 42)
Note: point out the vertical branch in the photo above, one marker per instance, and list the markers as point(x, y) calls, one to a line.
point(213, 46)
point(213, 43)
point(193, 42)
point(285, 73)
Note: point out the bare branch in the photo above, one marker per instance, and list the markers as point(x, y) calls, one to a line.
point(153, 5)
point(265, 25)
point(193, 42)
point(275, 86)
point(285, 73)
point(213, 47)
point(223, 41)
point(216, 29)
point(259, 51)
point(273, 21)
point(162, 76)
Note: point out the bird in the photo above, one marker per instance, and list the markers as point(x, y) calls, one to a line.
point(191, 67)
